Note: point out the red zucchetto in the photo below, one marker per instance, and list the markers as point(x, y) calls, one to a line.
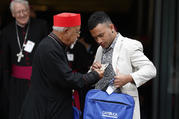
point(66, 20)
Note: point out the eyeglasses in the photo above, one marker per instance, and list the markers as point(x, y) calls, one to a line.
point(78, 32)
point(23, 11)
point(75, 31)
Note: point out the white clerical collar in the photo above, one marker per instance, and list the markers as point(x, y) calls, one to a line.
point(22, 26)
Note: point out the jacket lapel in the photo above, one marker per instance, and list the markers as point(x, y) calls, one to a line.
point(117, 51)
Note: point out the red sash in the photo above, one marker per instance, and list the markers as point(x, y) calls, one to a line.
point(76, 102)
point(21, 72)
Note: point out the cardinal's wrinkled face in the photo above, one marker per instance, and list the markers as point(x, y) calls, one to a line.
point(72, 34)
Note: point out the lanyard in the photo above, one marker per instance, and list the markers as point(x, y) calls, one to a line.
point(18, 40)
point(53, 38)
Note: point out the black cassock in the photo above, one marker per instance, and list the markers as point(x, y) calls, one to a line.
point(16, 88)
point(50, 94)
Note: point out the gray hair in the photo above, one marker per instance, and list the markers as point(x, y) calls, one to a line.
point(60, 29)
point(18, 1)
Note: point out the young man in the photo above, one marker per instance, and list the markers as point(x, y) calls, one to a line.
point(50, 94)
point(20, 39)
point(127, 63)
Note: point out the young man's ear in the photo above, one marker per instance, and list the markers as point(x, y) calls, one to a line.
point(112, 26)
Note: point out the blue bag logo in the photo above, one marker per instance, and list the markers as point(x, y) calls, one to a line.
point(109, 114)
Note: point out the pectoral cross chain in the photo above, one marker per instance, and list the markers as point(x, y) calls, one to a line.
point(19, 55)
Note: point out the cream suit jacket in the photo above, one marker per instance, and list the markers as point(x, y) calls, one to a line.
point(128, 58)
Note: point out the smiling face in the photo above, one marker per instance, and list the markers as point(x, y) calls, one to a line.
point(21, 13)
point(103, 34)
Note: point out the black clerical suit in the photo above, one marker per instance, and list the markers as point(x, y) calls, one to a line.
point(17, 86)
point(50, 94)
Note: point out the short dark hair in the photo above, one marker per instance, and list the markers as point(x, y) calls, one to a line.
point(98, 18)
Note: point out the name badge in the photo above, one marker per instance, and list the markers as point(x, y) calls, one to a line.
point(29, 46)
point(70, 57)
point(110, 89)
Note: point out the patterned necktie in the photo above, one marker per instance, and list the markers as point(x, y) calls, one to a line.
point(108, 76)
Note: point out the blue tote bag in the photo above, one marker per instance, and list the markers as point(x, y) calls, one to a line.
point(100, 105)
